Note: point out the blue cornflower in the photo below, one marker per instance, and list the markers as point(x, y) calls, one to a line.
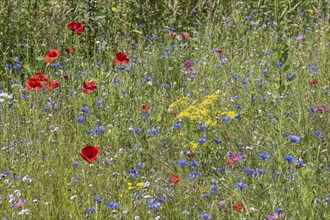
point(153, 38)
point(263, 155)
point(84, 109)
point(225, 119)
point(317, 134)
point(194, 11)
point(213, 187)
point(202, 127)
point(133, 173)
point(140, 166)
point(265, 71)
point(289, 159)
point(280, 64)
point(177, 124)
point(206, 196)
point(261, 172)
point(112, 205)
point(205, 216)
point(240, 186)
point(221, 170)
point(153, 205)
point(193, 164)
point(300, 162)
point(98, 200)
point(294, 139)
point(166, 86)
point(8, 66)
point(80, 119)
point(55, 65)
point(192, 175)
point(144, 115)
point(141, 25)
point(152, 131)
point(182, 163)
point(249, 172)
point(90, 210)
point(161, 200)
point(202, 140)
point(240, 144)
point(217, 140)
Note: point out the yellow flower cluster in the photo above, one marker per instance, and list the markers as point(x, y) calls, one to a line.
point(196, 112)
point(179, 102)
point(191, 145)
point(130, 185)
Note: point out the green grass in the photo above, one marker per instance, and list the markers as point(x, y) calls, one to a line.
point(41, 139)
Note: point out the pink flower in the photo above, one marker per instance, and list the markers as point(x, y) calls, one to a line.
point(300, 38)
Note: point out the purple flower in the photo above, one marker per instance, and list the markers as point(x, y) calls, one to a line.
point(188, 64)
point(18, 204)
point(236, 157)
point(222, 203)
point(290, 159)
point(240, 186)
point(300, 38)
point(294, 139)
point(263, 156)
point(321, 108)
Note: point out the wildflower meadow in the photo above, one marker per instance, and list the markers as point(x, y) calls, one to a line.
point(197, 109)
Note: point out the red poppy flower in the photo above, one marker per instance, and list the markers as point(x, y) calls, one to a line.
point(76, 27)
point(191, 153)
point(89, 87)
point(51, 55)
point(121, 58)
point(36, 82)
point(68, 50)
point(173, 112)
point(89, 153)
point(145, 108)
point(174, 178)
point(185, 36)
point(238, 207)
point(33, 84)
point(172, 35)
point(42, 78)
point(218, 50)
point(312, 82)
point(52, 85)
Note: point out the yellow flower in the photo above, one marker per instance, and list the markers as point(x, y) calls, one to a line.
point(130, 186)
point(230, 114)
point(140, 184)
point(179, 102)
point(114, 9)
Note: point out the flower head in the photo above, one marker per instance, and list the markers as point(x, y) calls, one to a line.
point(51, 55)
point(300, 38)
point(145, 108)
point(294, 139)
point(238, 207)
point(89, 153)
point(76, 27)
point(172, 35)
point(88, 87)
point(174, 179)
point(121, 58)
point(185, 36)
